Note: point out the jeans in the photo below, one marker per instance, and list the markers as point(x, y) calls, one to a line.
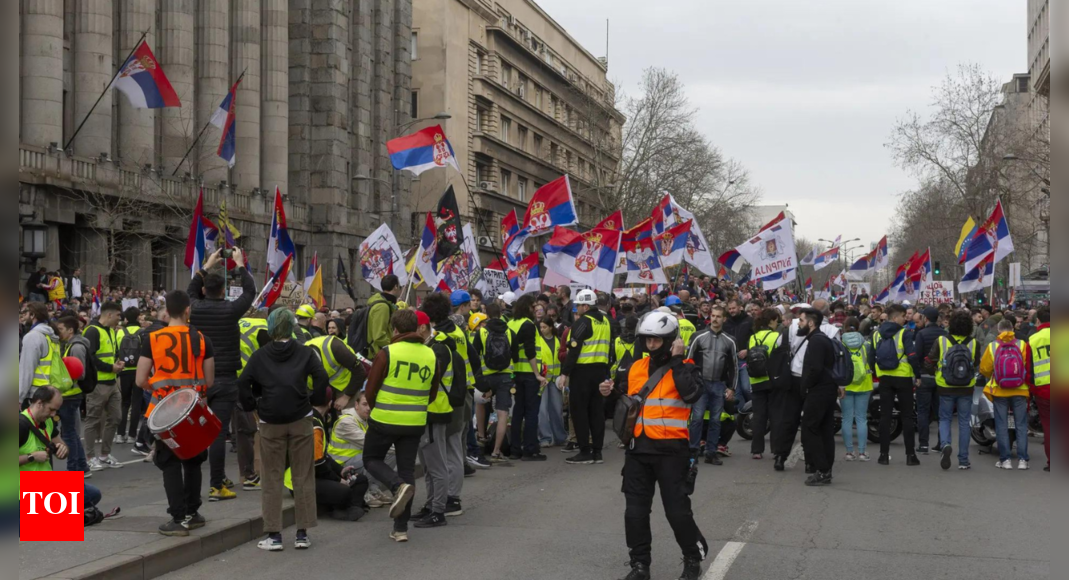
point(68, 423)
point(712, 400)
point(856, 411)
point(1002, 426)
point(92, 496)
point(947, 405)
point(524, 434)
point(745, 391)
point(551, 427)
point(925, 398)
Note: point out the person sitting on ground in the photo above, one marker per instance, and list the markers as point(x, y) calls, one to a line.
point(339, 490)
point(347, 448)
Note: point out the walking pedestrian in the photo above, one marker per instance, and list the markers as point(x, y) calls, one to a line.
point(955, 361)
point(716, 356)
point(76, 346)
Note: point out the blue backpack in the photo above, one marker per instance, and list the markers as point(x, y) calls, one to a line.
point(887, 356)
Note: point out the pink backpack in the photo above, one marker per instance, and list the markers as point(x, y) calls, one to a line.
point(1010, 372)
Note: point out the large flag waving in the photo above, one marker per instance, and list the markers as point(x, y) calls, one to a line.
point(672, 244)
point(462, 271)
point(779, 279)
point(809, 258)
point(551, 206)
point(643, 262)
point(643, 230)
point(968, 232)
point(422, 151)
point(142, 80)
point(734, 259)
point(380, 256)
point(826, 259)
point(275, 285)
point(992, 238)
point(874, 261)
point(772, 251)
point(342, 277)
point(426, 256)
point(525, 277)
point(613, 222)
point(979, 278)
point(196, 252)
point(509, 227)
point(588, 258)
point(225, 118)
point(279, 245)
point(447, 226)
point(669, 213)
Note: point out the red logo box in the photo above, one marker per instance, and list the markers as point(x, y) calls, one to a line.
point(51, 506)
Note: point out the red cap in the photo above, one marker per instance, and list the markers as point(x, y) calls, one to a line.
point(422, 319)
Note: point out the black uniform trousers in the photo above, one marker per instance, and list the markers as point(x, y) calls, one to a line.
point(642, 473)
point(336, 496)
point(762, 403)
point(587, 406)
point(524, 434)
point(818, 427)
point(406, 447)
point(133, 405)
point(182, 481)
point(786, 417)
point(902, 387)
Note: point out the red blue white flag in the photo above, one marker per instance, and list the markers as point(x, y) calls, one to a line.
point(279, 245)
point(422, 151)
point(992, 238)
point(525, 277)
point(551, 206)
point(586, 258)
point(225, 118)
point(672, 244)
point(142, 80)
point(643, 262)
point(275, 285)
point(641, 231)
point(196, 250)
point(826, 259)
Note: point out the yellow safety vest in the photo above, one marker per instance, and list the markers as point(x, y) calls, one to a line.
point(250, 330)
point(904, 368)
point(622, 349)
point(33, 445)
point(768, 339)
point(944, 347)
point(1040, 344)
point(341, 450)
point(548, 355)
point(405, 393)
point(440, 405)
point(106, 352)
point(461, 341)
point(42, 375)
point(521, 363)
point(595, 349)
point(686, 331)
point(483, 333)
point(75, 389)
point(337, 375)
point(861, 355)
point(121, 335)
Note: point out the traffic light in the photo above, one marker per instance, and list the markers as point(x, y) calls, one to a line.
point(938, 269)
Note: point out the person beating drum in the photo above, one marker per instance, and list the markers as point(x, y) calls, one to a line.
point(177, 357)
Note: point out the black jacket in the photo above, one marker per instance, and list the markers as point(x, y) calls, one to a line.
point(923, 342)
point(819, 360)
point(888, 331)
point(740, 328)
point(218, 320)
point(688, 382)
point(275, 382)
point(582, 331)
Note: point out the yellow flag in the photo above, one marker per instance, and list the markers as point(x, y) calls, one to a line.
point(315, 290)
point(967, 232)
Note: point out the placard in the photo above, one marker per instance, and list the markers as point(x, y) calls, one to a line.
point(933, 293)
point(495, 283)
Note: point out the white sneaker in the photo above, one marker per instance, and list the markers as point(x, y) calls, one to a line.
point(850, 457)
point(1004, 464)
point(96, 465)
point(1023, 466)
point(111, 462)
point(119, 440)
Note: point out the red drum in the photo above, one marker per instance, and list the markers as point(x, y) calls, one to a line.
point(184, 423)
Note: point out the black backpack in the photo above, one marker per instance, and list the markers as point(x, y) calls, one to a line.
point(497, 352)
point(887, 356)
point(757, 359)
point(842, 370)
point(130, 350)
point(358, 331)
point(959, 365)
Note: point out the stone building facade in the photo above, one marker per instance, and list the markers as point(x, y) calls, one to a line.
point(325, 85)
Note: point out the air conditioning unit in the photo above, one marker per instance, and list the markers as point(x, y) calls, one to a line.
point(486, 185)
point(511, 20)
point(484, 241)
point(527, 36)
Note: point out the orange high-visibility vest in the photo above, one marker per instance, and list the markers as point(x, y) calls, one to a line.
point(665, 415)
point(175, 366)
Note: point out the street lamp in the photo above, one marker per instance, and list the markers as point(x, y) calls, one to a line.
point(34, 240)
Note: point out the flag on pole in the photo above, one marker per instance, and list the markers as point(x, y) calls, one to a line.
point(380, 256)
point(142, 80)
point(426, 256)
point(643, 262)
point(772, 251)
point(826, 259)
point(809, 258)
point(196, 250)
point(275, 285)
point(279, 245)
point(342, 277)
point(992, 238)
point(672, 244)
point(225, 117)
point(510, 225)
point(642, 230)
point(734, 259)
point(462, 271)
point(968, 231)
point(979, 278)
point(920, 271)
point(874, 261)
point(315, 289)
point(669, 213)
point(230, 231)
point(809, 285)
point(422, 151)
point(551, 206)
point(613, 222)
point(448, 227)
point(587, 258)
point(779, 279)
point(309, 276)
point(524, 278)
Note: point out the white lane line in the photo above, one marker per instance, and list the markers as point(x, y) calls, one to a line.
point(796, 455)
point(727, 556)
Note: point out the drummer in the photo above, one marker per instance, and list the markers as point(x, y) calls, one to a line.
point(177, 357)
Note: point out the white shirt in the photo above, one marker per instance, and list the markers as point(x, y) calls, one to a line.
point(76, 288)
point(797, 344)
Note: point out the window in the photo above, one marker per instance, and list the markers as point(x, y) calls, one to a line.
point(538, 97)
point(414, 112)
point(506, 75)
point(506, 128)
point(538, 145)
point(482, 118)
point(482, 173)
point(567, 160)
point(415, 45)
point(521, 185)
point(480, 62)
point(522, 136)
point(523, 87)
point(554, 153)
point(506, 181)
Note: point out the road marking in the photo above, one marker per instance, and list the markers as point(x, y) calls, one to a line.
point(796, 455)
point(727, 556)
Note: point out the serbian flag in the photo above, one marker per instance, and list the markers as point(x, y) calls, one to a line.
point(273, 289)
point(920, 271)
point(225, 118)
point(551, 206)
point(142, 80)
point(809, 285)
point(310, 275)
point(672, 244)
point(643, 262)
point(422, 151)
point(613, 222)
point(779, 279)
point(992, 238)
point(524, 278)
point(900, 289)
point(662, 213)
point(733, 258)
point(722, 272)
point(279, 245)
point(979, 278)
point(826, 259)
point(196, 244)
point(643, 230)
point(586, 258)
point(874, 261)
point(426, 255)
point(510, 225)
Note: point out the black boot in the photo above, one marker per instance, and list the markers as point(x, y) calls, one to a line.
point(781, 464)
point(692, 570)
point(809, 469)
point(638, 572)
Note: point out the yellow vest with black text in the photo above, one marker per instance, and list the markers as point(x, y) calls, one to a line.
point(250, 330)
point(33, 445)
point(768, 338)
point(904, 370)
point(1040, 344)
point(341, 450)
point(337, 375)
point(406, 390)
point(595, 349)
point(944, 347)
point(106, 351)
point(686, 331)
point(440, 406)
point(521, 364)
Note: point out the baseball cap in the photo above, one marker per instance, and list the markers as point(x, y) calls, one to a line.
point(422, 319)
point(460, 298)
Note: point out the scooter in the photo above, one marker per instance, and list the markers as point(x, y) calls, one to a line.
point(983, 423)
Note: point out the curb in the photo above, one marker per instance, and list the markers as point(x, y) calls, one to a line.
point(168, 555)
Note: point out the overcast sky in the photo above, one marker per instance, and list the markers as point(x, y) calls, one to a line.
point(805, 93)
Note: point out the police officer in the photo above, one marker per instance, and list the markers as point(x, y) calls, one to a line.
point(660, 451)
point(584, 369)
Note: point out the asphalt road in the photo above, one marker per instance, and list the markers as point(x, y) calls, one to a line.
point(551, 520)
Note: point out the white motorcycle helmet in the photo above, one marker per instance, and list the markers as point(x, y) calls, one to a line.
point(659, 325)
point(586, 298)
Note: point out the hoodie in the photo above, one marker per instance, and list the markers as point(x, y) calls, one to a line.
point(888, 331)
point(275, 382)
point(924, 340)
point(987, 368)
point(34, 348)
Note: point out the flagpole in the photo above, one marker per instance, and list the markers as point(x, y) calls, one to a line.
point(203, 129)
point(137, 44)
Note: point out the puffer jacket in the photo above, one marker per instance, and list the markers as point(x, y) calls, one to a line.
point(716, 356)
point(218, 320)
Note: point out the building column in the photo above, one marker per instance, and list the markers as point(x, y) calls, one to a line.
point(212, 49)
point(176, 57)
point(41, 73)
point(329, 80)
point(245, 51)
point(136, 127)
point(93, 60)
point(275, 85)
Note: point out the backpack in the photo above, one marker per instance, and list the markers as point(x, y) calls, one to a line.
point(861, 369)
point(757, 359)
point(1010, 371)
point(629, 407)
point(358, 331)
point(497, 352)
point(843, 369)
point(959, 367)
point(130, 350)
point(887, 356)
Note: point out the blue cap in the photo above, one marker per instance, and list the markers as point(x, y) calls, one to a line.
point(673, 301)
point(460, 298)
